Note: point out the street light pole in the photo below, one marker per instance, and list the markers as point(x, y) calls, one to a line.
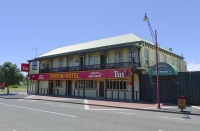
point(154, 37)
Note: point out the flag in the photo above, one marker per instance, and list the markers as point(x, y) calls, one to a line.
point(3, 84)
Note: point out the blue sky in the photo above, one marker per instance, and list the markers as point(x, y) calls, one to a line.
point(48, 24)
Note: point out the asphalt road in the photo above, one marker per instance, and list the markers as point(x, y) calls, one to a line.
point(37, 115)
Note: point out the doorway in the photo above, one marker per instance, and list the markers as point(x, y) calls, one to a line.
point(101, 89)
point(81, 62)
point(69, 88)
point(102, 61)
point(51, 88)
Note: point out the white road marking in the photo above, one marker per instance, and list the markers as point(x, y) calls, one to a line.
point(127, 113)
point(27, 100)
point(30, 96)
point(48, 103)
point(86, 106)
point(38, 110)
point(196, 107)
point(107, 109)
point(171, 118)
point(65, 105)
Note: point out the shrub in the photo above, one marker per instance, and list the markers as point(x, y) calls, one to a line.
point(14, 86)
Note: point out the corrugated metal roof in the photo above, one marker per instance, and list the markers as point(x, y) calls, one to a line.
point(117, 40)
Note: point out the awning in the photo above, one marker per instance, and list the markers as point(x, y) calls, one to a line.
point(164, 69)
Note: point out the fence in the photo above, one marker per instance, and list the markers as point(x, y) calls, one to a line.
point(186, 83)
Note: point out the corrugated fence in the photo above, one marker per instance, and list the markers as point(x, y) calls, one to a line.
point(186, 83)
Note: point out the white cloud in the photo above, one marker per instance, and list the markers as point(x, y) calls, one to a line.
point(192, 66)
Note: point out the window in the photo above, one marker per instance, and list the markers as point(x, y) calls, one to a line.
point(50, 63)
point(34, 65)
point(116, 84)
point(164, 58)
point(146, 54)
point(32, 85)
point(61, 63)
point(70, 61)
point(91, 59)
point(107, 59)
point(134, 55)
point(80, 84)
point(89, 84)
point(172, 61)
point(58, 83)
point(179, 63)
point(98, 59)
point(118, 57)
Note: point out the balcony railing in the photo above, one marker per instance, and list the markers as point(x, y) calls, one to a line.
point(91, 67)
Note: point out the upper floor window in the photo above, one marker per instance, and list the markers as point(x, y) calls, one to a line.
point(70, 61)
point(61, 63)
point(164, 58)
point(146, 54)
point(98, 59)
point(107, 58)
point(34, 65)
point(178, 63)
point(91, 59)
point(118, 57)
point(172, 61)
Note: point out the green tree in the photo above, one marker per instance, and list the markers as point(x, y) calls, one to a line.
point(10, 74)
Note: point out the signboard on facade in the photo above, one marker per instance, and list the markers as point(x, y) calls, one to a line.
point(24, 67)
point(164, 69)
point(117, 73)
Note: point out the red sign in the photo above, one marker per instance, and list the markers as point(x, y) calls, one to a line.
point(24, 67)
point(112, 73)
point(3, 84)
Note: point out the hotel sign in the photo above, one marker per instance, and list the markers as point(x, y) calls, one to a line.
point(117, 73)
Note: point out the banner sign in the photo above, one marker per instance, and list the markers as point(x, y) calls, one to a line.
point(112, 73)
point(24, 67)
point(164, 69)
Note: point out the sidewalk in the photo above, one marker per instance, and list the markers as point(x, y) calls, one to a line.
point(93, 104)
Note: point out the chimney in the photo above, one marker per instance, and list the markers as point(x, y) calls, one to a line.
point(170, 49)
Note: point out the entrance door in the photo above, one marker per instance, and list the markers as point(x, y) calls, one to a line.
point(69, 87)
point(81, 63)
point(101, 89)
point(102, 61)
point(51, 88)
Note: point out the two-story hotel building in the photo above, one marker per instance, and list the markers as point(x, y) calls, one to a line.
point(108, 68)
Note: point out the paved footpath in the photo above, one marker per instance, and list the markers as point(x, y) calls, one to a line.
point(111, 105)
point(92, 104)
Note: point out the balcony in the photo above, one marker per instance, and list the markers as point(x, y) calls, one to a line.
point(91, 67)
